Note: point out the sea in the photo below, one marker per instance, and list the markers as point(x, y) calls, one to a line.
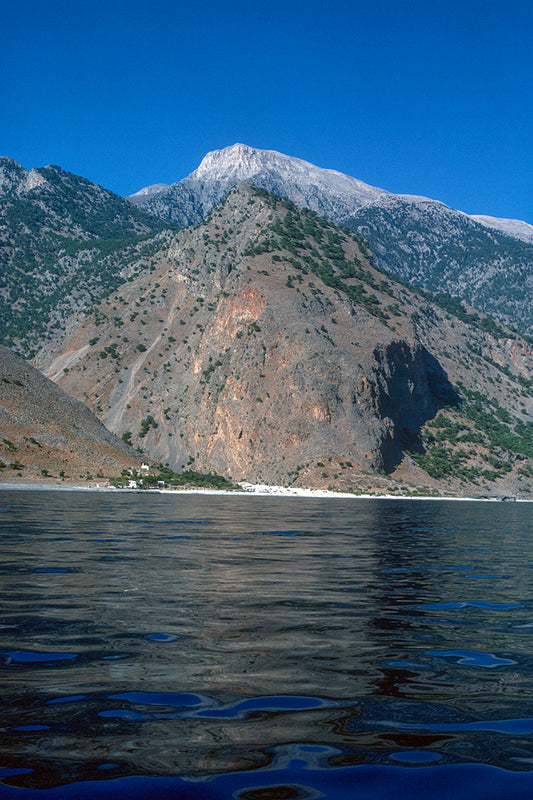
point(206, 647)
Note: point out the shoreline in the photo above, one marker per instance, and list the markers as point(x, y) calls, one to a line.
point(251, 490)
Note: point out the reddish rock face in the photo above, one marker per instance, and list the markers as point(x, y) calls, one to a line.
point(264, 345)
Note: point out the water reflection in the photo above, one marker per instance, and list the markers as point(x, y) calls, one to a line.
point(194, 635)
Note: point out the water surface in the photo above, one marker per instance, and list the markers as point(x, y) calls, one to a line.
point(264, 648)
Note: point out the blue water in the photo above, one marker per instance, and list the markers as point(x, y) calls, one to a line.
point(157, 646)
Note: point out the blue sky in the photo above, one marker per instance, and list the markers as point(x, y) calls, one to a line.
point(431, 98)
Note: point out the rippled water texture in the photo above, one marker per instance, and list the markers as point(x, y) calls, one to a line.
point(264, 648)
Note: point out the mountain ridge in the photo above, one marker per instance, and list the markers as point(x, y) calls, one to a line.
point(327, 189)
point(485, 261)
point(57, 234)
point(229, 163)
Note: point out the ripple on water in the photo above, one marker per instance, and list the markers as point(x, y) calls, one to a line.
point(267, 638)
point(52, 569)
point(275, 703)
point(31, 657)
point(406, 665)
point(278, 791)
point(519, 727)
point(471, 658)
point(416, 756)
point(451, 606)
point(31, 728)
point(197, 706)
point(160, 698)
point(10, 772)
point(123, 713)
point(73, 698)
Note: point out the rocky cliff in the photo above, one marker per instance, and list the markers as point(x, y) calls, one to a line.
point(265, 345)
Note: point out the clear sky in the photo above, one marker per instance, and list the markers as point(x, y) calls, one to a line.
point(422, 97)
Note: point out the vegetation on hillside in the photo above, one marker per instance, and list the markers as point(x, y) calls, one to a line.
point(63, 244)
point(316, 245)
point(187, 479)
point(460, 257)
point(478, 441)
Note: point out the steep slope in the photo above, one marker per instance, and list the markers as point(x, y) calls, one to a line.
point(443, 250)
point(486, 261)
point(44, 431)
point(264, 345)
point(55, 228)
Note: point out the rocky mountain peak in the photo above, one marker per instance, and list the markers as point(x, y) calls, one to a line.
point(243, 163)
point(325, 191)
point(516, 228)
point(148, 191)
point(15, 180)
point(48, 217)
point(480, 259)
point(238, 159)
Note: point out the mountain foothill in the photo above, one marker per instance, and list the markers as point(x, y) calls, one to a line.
point(269, 321)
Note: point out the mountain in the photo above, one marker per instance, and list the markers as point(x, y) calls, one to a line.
point(265, 345)
point(62, 238)
point(188, 201)
point(485, 261)
point(57, 235)
point(434, 246)
point(43, 431)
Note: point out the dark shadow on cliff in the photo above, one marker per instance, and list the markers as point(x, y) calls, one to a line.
point(419, 389)
point(440, 387)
